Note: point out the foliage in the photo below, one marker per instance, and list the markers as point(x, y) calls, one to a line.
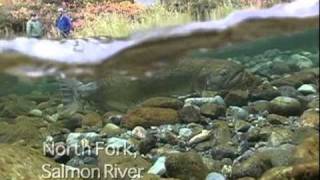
point(91, 10)
point(115, 18)
point(119, 25)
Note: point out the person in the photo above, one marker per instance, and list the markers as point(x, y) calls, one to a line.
point(63, 23)
point(34, 27)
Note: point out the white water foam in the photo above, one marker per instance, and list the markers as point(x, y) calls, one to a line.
point(79, 51)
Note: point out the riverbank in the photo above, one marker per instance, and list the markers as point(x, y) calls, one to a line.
point(113, 19)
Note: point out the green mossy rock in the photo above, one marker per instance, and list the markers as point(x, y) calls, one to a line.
point(163, 102)
point(92, 119)
point(297, 79)
point(186, 166)
point(286, 106)
point(147, 117)
point(301, 171)
point(18, 162)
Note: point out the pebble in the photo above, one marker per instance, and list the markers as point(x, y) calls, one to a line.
point(307, 89)
point(204, 135)
point(158, 167)
point(139, 132)
point(200, 101)
point(36, 113)
point(111, 129)
point(215, 176)
point(52, 118)
point(185, 133)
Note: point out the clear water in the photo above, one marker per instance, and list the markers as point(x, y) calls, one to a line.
point(211, 57)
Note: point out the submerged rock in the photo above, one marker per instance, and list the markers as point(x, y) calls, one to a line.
point(19, 162)
point(163, 102)
point(237, 98)
point(307, 151)
point(204, 135)
point(286, 106)
point(237, 113)
point(277, 119)
point(307, 76)
point(74, 139)
point(259, 106)
point(190, 114)
point(215, 176)
point(111, 130)
point(147, 117)
point(139, 132)
point(212, 110)
point(185, 133)
point(159, 167)
point(73, 122)
point(314, 103)
point(307, 89)
point(264, 91)
point(280, 136)
point(310, 118)
point(301, 171)
point(147, 144)
point(92, 119)
point(186, 166)
point(36, 113)
point(205, 100)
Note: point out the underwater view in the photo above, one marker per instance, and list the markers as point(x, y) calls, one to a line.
point(168, 90)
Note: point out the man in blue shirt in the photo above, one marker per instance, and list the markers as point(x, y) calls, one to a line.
point(63, 23)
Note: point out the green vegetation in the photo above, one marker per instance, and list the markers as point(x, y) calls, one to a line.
point(119, 25)
point(118, 18)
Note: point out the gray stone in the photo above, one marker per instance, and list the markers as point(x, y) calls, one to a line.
point(215, 176)
point(307, 89)
point(74, 139)
point(237, 113)
point(289, 91)
point(200, 101)
point(185, 133)
point(159, 167)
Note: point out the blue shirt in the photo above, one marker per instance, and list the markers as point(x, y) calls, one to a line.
point(64, 24)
